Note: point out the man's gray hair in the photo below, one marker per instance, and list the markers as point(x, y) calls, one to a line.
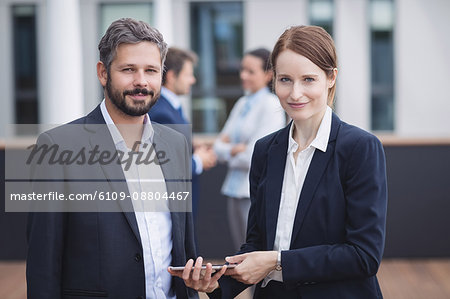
point(128, 31)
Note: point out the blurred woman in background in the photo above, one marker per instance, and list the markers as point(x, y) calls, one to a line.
point(255, 115)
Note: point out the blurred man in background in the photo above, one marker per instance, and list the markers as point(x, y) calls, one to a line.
point(178, 78)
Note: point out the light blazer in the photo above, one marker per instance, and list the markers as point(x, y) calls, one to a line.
point(264, 117)
point(339, 229)
point(99, 254)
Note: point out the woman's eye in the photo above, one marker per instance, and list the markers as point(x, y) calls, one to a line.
point(309, 79)
point(284, 79)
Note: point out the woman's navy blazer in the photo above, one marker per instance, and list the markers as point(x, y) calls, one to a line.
point(339, 228)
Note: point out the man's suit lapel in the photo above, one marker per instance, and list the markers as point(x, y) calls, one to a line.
point(315, 172)
point(113, 171)
point(276, 162)
point(172, 176)
point(169, 109)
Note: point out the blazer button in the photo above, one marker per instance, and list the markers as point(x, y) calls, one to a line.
point(138, 257)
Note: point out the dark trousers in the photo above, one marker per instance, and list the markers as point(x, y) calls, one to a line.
point(277, 290)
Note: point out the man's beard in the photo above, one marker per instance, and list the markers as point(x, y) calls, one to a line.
point(118, 99)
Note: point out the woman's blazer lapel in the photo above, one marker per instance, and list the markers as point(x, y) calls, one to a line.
point(314, 175)
point(276, 160)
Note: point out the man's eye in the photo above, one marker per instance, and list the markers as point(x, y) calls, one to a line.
point(128, 69)
point(151, 70)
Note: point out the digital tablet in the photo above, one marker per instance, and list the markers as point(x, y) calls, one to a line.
point(214, 267)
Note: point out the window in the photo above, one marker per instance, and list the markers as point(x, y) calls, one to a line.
point(113, 11)
point(109, 12)
point(217, 37)
point(382, 52)
point(25, 65)
point(321, 14)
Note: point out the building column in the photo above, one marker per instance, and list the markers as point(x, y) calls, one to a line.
point(7, 75)
point(164, 18)
point(62, 82)
point(352, 39)
point(421, 68)
point(263, 27)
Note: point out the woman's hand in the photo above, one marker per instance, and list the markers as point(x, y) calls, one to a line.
point(193, 279)
point(225, 138)
point(238, 148)
point(253, 266)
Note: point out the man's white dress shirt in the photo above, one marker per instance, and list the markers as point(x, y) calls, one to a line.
point(154, 221)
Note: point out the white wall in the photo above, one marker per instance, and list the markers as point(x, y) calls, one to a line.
point(421, 45)
point(266, 20)
point(181, 25)
point(422, 65)
point(351, 34)
point(6, 64)
point(89, 41)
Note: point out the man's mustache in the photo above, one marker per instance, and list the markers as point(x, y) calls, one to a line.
point(137, 91)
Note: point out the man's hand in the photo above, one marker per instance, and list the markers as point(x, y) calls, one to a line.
point(253, 266)
point(207, 155)
point(194, 280)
